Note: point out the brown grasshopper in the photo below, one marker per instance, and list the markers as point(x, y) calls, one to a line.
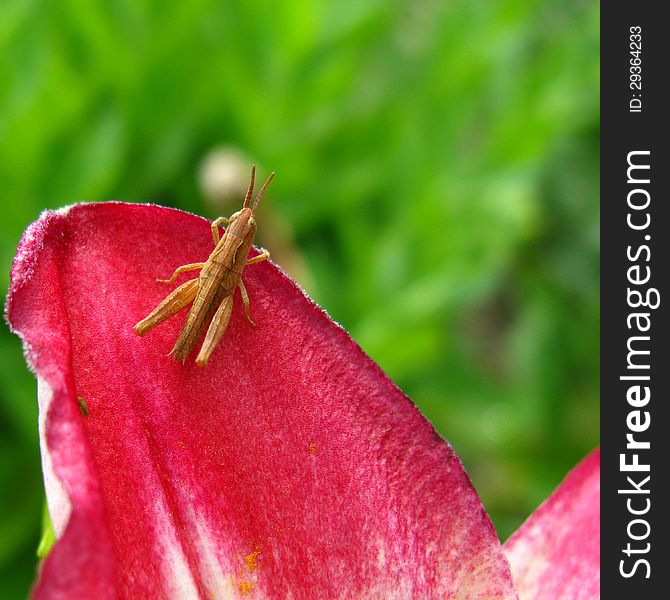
point(212, 292)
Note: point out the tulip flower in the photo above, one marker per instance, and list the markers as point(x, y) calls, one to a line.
point(289, 467)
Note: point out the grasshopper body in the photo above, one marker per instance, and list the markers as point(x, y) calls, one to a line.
point(211, 294)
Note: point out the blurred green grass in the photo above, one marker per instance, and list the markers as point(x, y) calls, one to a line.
point(437, 163)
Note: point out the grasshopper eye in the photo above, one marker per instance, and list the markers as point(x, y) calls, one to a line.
point(234, 216)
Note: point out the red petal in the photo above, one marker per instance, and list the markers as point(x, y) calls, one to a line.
point(290, 467)
point(556, 552)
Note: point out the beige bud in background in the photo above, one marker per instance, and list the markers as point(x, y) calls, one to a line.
point(223, 177)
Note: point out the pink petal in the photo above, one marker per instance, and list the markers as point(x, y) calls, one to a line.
point(556, 552)
point(290, 467)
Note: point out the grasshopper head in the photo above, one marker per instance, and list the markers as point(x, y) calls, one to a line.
point(242, 222)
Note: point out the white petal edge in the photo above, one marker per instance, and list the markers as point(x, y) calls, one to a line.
point(58, 501)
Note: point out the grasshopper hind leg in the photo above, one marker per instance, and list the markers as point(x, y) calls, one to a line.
point(216, 330)
point(173, 303)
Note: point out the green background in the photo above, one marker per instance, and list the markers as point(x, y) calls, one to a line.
point(437, 193)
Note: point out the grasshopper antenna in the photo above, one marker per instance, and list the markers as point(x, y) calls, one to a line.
point(250, 191)
point(262, 191)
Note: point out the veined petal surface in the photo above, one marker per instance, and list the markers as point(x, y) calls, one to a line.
point(289, 467)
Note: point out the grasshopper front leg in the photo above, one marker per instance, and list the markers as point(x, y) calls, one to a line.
point(180, 270)
point(245, 299)
point(215, 228)
point(264, 255)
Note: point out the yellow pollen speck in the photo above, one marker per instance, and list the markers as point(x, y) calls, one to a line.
point(252, 560)
point(311, 448)
point(245, 587)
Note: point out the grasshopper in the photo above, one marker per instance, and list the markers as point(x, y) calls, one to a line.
point(212, 291)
